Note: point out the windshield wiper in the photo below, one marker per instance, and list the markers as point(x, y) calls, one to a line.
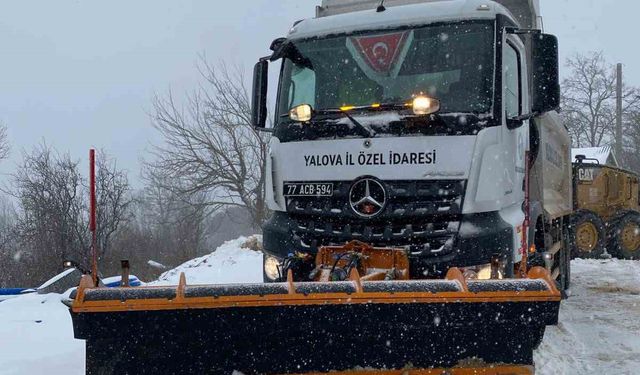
point(344, 111)
point(362, 130)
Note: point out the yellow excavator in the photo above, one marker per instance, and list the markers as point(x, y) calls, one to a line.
point(607, 216)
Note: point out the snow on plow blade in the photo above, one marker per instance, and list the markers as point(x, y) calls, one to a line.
point(489, 370)
point(315, 326)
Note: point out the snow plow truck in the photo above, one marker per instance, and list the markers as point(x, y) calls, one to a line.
point(420, 183)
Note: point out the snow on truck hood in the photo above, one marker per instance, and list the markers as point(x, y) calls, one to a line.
point(398, 16)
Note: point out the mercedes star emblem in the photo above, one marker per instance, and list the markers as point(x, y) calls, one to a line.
point(367, 197)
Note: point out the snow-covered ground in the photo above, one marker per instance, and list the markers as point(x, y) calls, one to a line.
point(36, 337)
point(233, 262)
point(599, 331)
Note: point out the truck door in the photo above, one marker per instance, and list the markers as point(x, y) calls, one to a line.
point(515, 103)
point(515, 139)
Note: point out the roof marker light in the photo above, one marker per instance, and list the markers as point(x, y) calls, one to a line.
point(423, 105)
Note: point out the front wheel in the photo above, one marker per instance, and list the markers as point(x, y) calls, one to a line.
point(624, 238)
point(587, 235)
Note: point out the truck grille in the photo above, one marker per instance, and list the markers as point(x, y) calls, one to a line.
point(422, 215)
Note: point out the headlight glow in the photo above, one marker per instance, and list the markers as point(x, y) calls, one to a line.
point(272, 267)
point(423, 105)
point(484, 273)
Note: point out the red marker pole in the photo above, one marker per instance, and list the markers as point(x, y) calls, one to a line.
point(525, 225)
point(92, 216)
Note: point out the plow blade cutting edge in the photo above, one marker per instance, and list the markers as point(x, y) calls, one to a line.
point(315, 326)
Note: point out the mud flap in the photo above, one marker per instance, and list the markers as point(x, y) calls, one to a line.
point(305, 327)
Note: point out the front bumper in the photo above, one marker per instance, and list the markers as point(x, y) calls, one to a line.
point(479, 237)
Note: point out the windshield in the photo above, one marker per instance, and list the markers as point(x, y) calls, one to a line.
point(451, 62)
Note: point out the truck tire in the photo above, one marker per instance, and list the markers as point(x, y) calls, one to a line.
point(588, 235)
point(624, 237)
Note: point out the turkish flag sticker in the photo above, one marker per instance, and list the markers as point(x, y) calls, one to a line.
point(382, 52)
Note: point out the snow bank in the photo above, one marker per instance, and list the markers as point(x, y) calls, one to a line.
point(233, 262)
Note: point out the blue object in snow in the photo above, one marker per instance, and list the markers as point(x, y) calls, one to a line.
point(12, 291)
point(9, 293)
point(114, 282)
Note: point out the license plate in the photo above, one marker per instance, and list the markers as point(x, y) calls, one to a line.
point(308, 189)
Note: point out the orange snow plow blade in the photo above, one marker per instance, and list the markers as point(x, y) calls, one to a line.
point(373, 317)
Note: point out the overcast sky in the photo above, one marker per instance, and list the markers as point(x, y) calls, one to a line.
point(81, 73)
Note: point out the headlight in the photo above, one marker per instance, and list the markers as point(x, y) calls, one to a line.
point(484, 273)
point(272, 267)
point(470, 274)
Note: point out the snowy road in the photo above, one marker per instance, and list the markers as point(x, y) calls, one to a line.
point(599, 331)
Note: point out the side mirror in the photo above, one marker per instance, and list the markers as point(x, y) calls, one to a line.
point(277, 44)
point(259, 98)
point(545, 77)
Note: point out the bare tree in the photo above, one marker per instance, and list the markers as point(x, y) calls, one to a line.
point(53, 207)
point(113, 199)
point(11, 272)
point(180, 224)
point(632, 140)
point(49, 188)
point(210, 146)
point(589, 100)
point(161, 228)
point(5, 148)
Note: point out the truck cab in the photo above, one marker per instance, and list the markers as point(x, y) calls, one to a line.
point(415, 125)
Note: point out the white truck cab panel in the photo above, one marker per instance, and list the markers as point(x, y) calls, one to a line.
point(450, 197)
